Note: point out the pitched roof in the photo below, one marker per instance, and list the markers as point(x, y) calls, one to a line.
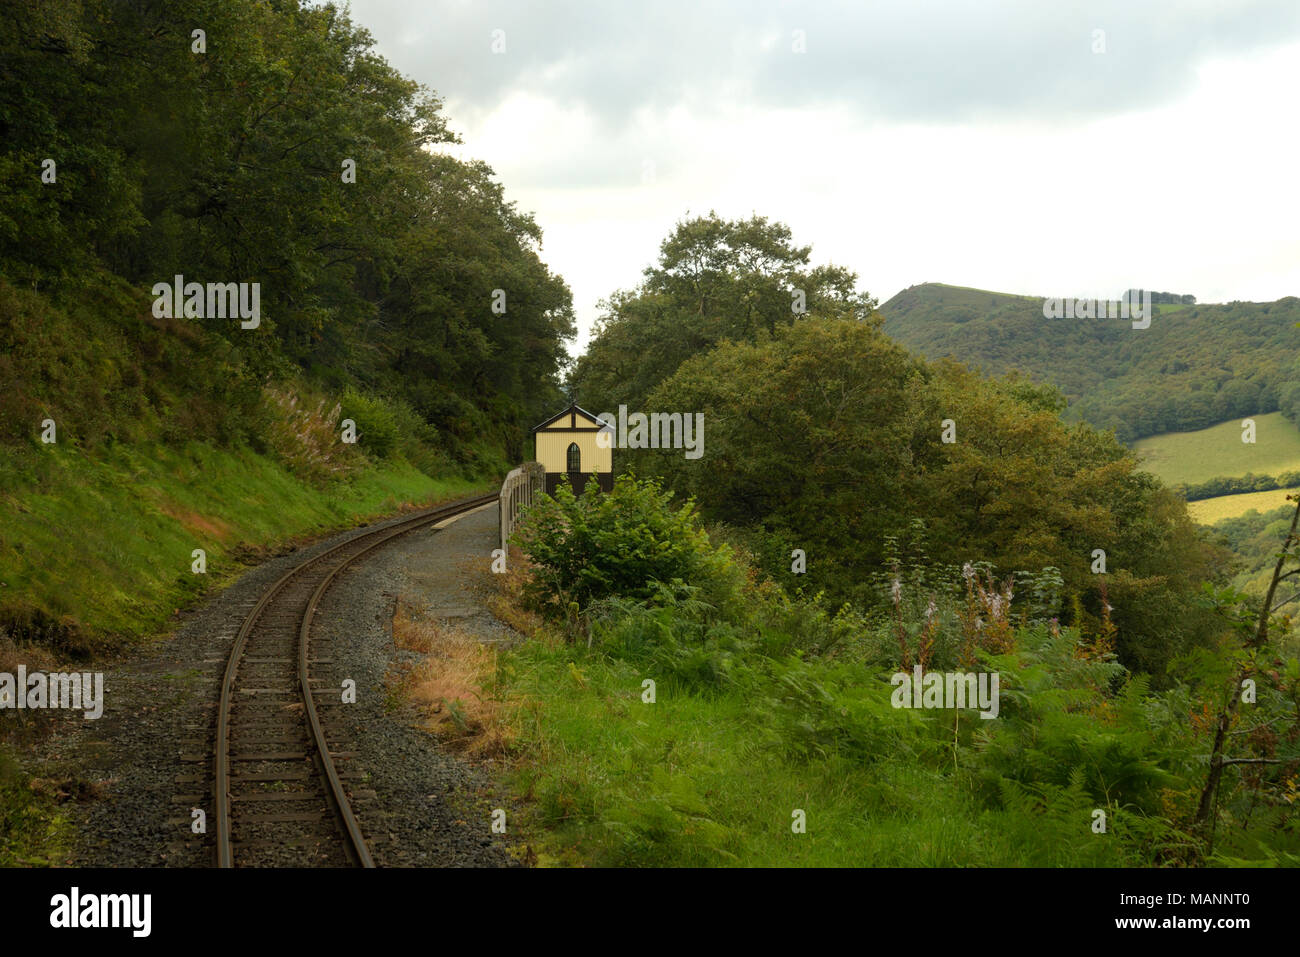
point(571, 410)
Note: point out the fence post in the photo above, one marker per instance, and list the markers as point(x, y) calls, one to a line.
point(518, 491)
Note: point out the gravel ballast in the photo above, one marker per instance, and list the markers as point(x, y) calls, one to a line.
point(148, 756)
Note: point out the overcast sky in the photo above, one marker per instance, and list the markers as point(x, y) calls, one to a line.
point(978, 144)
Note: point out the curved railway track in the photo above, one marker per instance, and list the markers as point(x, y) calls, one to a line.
point(279, 794)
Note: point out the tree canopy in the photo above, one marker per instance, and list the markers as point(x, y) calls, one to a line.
point(277, 147)
point(716, 280)
point(825, 437)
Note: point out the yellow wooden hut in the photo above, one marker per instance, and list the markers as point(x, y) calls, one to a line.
point(566, 445)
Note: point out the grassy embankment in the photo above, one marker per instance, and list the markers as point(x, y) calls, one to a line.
point(772, 737)
point(164, 444)
point(716, 774)
point(104, 543)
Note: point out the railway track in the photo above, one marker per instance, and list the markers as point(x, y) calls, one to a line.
point(278, 787)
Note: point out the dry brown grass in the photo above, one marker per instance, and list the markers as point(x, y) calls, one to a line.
point(62, 790)
point(454, 685)
point(22, 727)
point(32, 636)
point(505, 599)
point(201, 525)
point(305, 437)
point(34, 657)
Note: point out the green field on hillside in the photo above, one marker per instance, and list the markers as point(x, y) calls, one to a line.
point(1190, 457)
point(1211, 510)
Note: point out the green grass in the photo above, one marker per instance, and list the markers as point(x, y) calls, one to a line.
point(771, 711)
point(34, 830)
point(1191, 457)
point(1210, 510)
point(972, 295)
point(106, 540)
point(697, 779)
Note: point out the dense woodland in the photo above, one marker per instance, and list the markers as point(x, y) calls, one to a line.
point(229, 165)
point(799, 408)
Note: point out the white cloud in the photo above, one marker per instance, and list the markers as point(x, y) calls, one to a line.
point(1192, 193)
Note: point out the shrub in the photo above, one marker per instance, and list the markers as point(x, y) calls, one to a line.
point(377, 431)
point(678, 639)
point(624, 544)
point(305, 438)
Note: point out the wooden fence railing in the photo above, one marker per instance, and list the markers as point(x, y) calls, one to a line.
point(517, 493)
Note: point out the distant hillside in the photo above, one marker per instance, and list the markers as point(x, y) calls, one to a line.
point(1194, 366)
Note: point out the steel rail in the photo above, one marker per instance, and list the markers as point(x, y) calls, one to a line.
point(356, 845)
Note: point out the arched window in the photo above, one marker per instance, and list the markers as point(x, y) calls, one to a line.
point(575, 458)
